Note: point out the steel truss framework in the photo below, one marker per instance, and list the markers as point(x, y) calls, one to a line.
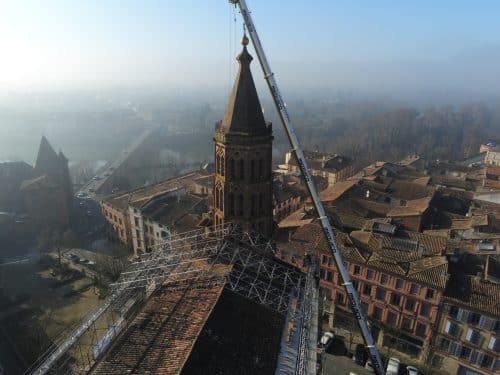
point(254, 274)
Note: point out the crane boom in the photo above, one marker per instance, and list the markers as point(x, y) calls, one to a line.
point(325, 223)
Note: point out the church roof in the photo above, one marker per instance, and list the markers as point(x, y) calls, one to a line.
point(244, 112)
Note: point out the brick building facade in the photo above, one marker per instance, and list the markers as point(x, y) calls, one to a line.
point(243, 157)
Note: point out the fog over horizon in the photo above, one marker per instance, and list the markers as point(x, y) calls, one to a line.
point(77, 67)
point(376, 48)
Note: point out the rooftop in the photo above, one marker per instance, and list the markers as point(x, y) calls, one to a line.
point(409, 254)
point(327, 162)
point(160, 338)
point(475, 294)
point(169, 211)
point(141, 196)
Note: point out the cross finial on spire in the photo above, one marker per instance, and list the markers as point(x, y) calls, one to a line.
point(244, 39)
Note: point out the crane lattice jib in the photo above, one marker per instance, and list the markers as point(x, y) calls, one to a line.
point(325, 223)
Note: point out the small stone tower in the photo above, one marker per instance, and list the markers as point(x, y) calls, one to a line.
point(243, 157)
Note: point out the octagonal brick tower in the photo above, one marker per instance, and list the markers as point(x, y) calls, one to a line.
point(243, 157)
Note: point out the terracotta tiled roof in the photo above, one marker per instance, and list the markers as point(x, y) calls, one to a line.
point(334, 192)
point(424, 181)
point(345, 220)
point(312, 238)
point(444, 233)
point(403, 211)
point(460, 224)
point(372, 207)
point(433, 245)
point(141, 196)
point(475, 294)
point(406, 255)
point(161, 337)
point(296, 219)
point(410, 254)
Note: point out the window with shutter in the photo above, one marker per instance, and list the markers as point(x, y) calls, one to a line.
point(485, 323)
point(494, 344)
point(465, 352)
point(473, 336)
point(474, 318)
point(487, 361)
point(463, 315)
point(496, 326)
point(473, 356)
point(444, 344)
point(479, 358)
point(496, 366)
point(447, 326)
point(453, 348)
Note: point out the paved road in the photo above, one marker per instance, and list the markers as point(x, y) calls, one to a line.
point(15, 260)
point(341, 365)
point(93, 186)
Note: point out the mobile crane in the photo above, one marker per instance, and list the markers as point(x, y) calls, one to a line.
point(299, 154)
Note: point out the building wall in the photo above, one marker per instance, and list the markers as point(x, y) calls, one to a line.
point(413, 309)
point(413, 222)
point(243, 182)
point(151, 232)
point(137, 230)
point(48, 206)
point(468, 339)
point(332, 177)
point(492, 158)
point(119, 222)
point(285, 208)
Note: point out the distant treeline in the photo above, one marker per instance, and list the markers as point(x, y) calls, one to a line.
point(369, 133)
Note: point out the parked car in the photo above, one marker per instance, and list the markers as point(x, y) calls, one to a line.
point(326, 339)
point(369, 366)
point(360, 355)
point(393, 366)
point(410, 370)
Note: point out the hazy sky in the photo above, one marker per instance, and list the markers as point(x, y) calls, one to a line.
point(360, 44)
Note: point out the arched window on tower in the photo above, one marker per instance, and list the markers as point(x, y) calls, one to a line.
point(252, 170)
point(242, 169)
point(231, 168)
point(231, 203)
point(222, 165)
point(241, 202)
point(216, 196)
point(261, 169)
point(221, 199)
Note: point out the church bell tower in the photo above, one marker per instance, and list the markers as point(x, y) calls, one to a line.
point(243, 157)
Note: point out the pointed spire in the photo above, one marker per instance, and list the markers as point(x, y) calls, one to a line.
point(244, 112)
point(46, 155)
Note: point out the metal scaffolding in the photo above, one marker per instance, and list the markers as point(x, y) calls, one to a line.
point(188, 259)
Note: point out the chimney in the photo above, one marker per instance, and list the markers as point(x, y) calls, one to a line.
point(486, 265)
